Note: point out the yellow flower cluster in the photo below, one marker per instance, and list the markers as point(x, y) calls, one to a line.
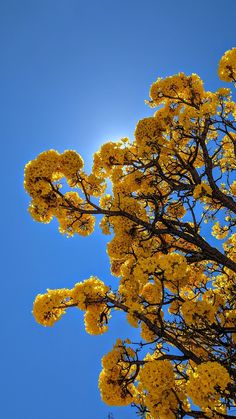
point(227, 161)
point(49, 308)
point(41, 182)
point(227, 66)
point(182, 88)
point(229, 246)
point(94, 185)
point(174, 307)
point(45, 166)
point(174, 266)
point(157, 381)
point(152, 292)
point(148, 135)
point(132, 319)
point(209, 105)
point(205, 384)
point(117, 248)
point(70, 164)
point(233, 187)
point(90, 291)
point(96, 318)
point(88, 295)
point(215, 297)
point(51, 166)
point(70, 220)
point(224, 295)
point(218, 231)
point(109, 156)
point(115, 380)
point(201, 190)
point(198, 312)
point(176, 209)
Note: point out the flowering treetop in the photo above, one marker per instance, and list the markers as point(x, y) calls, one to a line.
point(177, 286)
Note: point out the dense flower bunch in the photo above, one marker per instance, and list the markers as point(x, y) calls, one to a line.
point(42, 177)
point(205, 384)
point(227, 68)
point(88, 296)
point(48, 308)
point(171, 186)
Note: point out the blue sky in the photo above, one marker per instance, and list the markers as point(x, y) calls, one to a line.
point(74, 74)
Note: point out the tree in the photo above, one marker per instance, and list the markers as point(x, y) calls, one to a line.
point(178, 287)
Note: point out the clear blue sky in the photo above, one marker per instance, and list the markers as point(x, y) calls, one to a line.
point(74, 74)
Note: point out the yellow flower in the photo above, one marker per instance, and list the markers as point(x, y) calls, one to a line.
point(49, 308)
point(227, 66)
point(202, 190)
point(203, 383)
